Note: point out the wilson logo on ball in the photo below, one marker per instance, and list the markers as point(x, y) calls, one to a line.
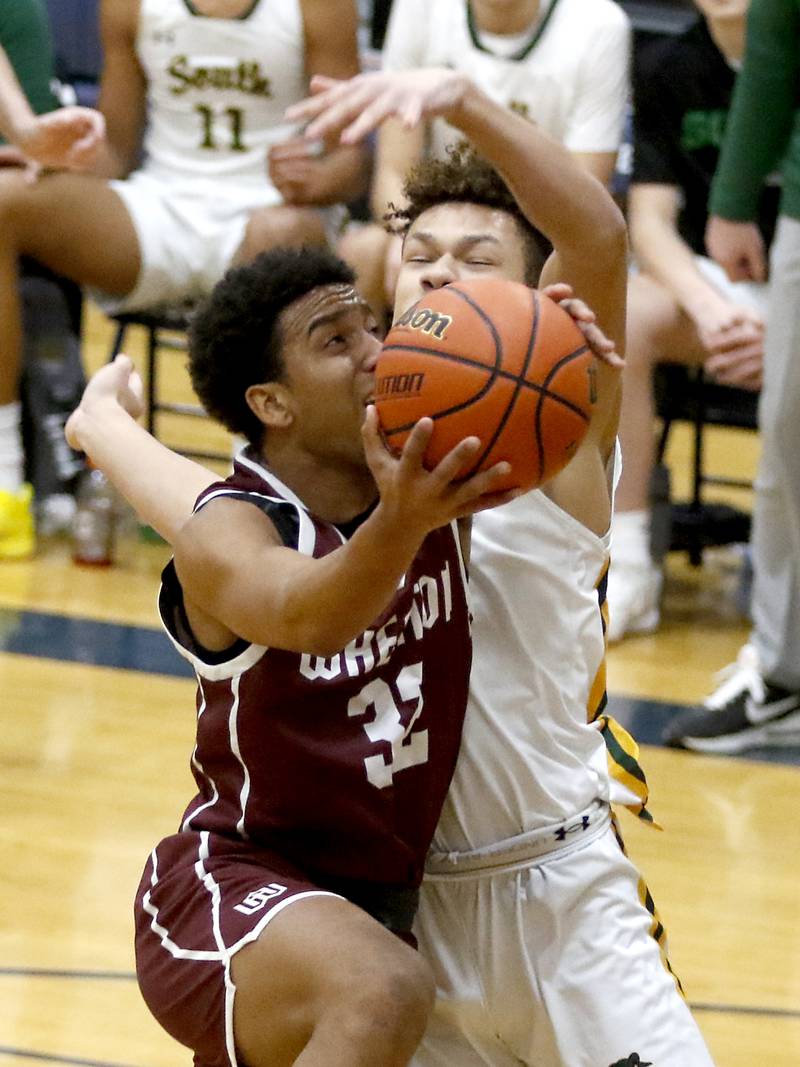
point(496, 360)
point(426, 320)
point(399, 384)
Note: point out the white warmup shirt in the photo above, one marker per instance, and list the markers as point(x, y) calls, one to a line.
point(569, 72)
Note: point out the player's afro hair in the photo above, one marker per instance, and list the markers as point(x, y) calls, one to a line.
point(464, 176)
point(235, 337)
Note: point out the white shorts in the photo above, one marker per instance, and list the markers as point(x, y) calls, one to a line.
point(188, 234)
point(754, 295)
point(550, 960)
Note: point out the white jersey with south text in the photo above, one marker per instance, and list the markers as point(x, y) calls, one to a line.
point(218, 88)
point(568, 72)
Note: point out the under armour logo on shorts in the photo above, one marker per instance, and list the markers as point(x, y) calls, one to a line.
point(561, 835)
point(633, 1061)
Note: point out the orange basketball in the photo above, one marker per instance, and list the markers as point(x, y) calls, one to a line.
point(494, 359)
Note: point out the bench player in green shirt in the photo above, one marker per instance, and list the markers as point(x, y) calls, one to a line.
point(759, 701)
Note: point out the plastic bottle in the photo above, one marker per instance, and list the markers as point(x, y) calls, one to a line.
point(94, 525)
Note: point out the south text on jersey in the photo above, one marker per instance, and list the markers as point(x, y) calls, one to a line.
point(244, 77)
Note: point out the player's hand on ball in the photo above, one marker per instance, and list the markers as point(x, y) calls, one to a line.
point(586, 321)
point(494, 359)
point(426, 498)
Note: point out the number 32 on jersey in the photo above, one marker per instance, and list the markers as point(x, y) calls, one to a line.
point(409, 748)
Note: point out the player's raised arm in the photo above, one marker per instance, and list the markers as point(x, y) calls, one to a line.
point(558, 196)
point(159, 484)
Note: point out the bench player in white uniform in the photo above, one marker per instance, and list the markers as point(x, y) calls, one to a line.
point(326, 737)
point(563, 64)
point(534, 923)
point(207, 83)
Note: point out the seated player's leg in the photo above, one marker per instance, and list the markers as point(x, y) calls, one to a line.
point(657, 331)
point(280, 226)
point(77, 226)
point(364, 247)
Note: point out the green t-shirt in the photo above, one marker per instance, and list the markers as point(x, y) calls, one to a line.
point(25, 36)
point(763, 131)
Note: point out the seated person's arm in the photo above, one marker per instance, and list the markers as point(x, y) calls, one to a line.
point(662, 254)
point(67, 138)
point(340, 174)
point(597, 119)
point(16, 115)
point(122, 89)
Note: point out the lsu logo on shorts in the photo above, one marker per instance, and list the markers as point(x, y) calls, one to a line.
point(259, 898)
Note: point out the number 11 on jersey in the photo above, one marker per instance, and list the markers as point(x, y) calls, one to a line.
point(235, 122)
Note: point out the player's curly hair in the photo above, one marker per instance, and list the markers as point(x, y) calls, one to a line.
point(235, 338)
point(465, 176)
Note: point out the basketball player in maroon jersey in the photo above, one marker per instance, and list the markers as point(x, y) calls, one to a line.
point(281, 969)
point(318, 621)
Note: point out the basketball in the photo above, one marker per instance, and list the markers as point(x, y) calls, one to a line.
point(493, 359)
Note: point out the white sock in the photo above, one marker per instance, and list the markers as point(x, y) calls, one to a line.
point(11, 458)
point(630, 537)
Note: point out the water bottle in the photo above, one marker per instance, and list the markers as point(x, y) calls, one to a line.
point(94, 524)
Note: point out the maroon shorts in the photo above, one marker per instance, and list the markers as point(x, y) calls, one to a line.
point(202, 898)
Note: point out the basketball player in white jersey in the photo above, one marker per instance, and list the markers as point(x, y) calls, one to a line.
point(206, 83)
point(534, 921)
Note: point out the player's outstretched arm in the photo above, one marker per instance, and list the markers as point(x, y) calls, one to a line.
point(158, 483)
point(239, 581)
point(559, 196)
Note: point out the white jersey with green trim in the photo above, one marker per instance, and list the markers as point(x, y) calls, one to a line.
point(218, 88)
point(567, 71)
point(531, 753)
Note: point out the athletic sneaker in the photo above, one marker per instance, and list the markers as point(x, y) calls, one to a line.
point(634, 598)
point(17, 538)
point(742, 712)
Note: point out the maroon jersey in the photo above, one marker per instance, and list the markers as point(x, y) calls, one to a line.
point(341, 765)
